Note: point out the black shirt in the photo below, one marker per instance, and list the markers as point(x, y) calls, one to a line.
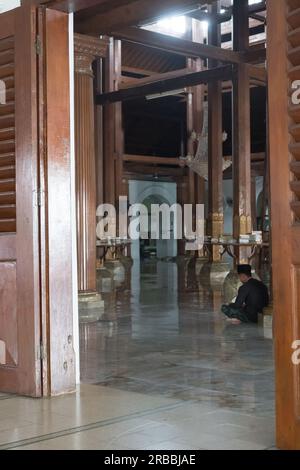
point(254, 297)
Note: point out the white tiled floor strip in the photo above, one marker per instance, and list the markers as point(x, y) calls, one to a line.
point(103, 418)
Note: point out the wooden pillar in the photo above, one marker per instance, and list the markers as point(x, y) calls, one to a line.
point(197, 109)
point(253, 203)
point(86, 51)
point(215, 142)
point(99, 133)
point(195, 98)
point(120, 189)
point(108, 131)
point(182, 198)
point(193, 106)
point(242, 223)
point(114, 183)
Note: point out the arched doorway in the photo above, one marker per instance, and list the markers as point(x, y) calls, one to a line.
point(149, 193)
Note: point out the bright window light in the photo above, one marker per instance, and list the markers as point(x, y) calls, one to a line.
point(6, 5)
point(172, 25)
point(204, 25)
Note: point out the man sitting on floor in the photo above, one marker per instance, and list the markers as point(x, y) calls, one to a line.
point(252, 298)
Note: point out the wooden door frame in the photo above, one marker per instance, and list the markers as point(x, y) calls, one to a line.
point(285, 232)
point(56, 237)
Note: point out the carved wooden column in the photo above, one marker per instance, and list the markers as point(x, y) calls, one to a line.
point(182, 199)
point(194, 105)
point(115, 185)
point(109, 128)
point(215, 139)
point(196, 117)
point(87, 49)
point(195, 99)
point(242, 223)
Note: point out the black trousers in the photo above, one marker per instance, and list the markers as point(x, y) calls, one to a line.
point(241, 314)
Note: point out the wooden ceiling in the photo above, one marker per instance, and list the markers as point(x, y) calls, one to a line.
point(78, 5)
point(134, 12)
point(96, 17)
point(104, 16)
point(138, 59)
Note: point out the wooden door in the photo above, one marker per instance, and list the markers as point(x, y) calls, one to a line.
point(20, 364)
point(283, 53)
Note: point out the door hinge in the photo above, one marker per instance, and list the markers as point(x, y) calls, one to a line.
point(42, 352)
point(38, 198)
point(38, 45)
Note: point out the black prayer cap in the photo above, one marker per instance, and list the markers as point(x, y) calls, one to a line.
point(244, 269)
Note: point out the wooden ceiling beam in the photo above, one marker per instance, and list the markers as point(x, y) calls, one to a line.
point(259, 18)
point(136, 13)
point(145, 165)
point(183, 80)
point(252, 10)
point(255, 54)
point(141, 171)
point(154, 78)
point(71, 6)
point(177, 45)
point(154, 160)
point(258, 74)
point(224, 17)
point(136, 71)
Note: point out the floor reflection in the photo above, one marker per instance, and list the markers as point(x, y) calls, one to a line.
point(163, 335)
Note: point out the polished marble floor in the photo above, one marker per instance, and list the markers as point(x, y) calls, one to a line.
point(163, 371)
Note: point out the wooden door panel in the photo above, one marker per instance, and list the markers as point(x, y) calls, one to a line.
point(296, 328)
point(20, 363)
point(7, 134)
point(284, 120)
point(293, 63)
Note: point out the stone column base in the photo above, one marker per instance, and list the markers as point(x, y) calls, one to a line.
point(127, 261)
point(117, 270)
point(105, 282)
point(231, 286)
point(213, 274)
point(200, 262)
point(183, 259)
point(91, 308)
